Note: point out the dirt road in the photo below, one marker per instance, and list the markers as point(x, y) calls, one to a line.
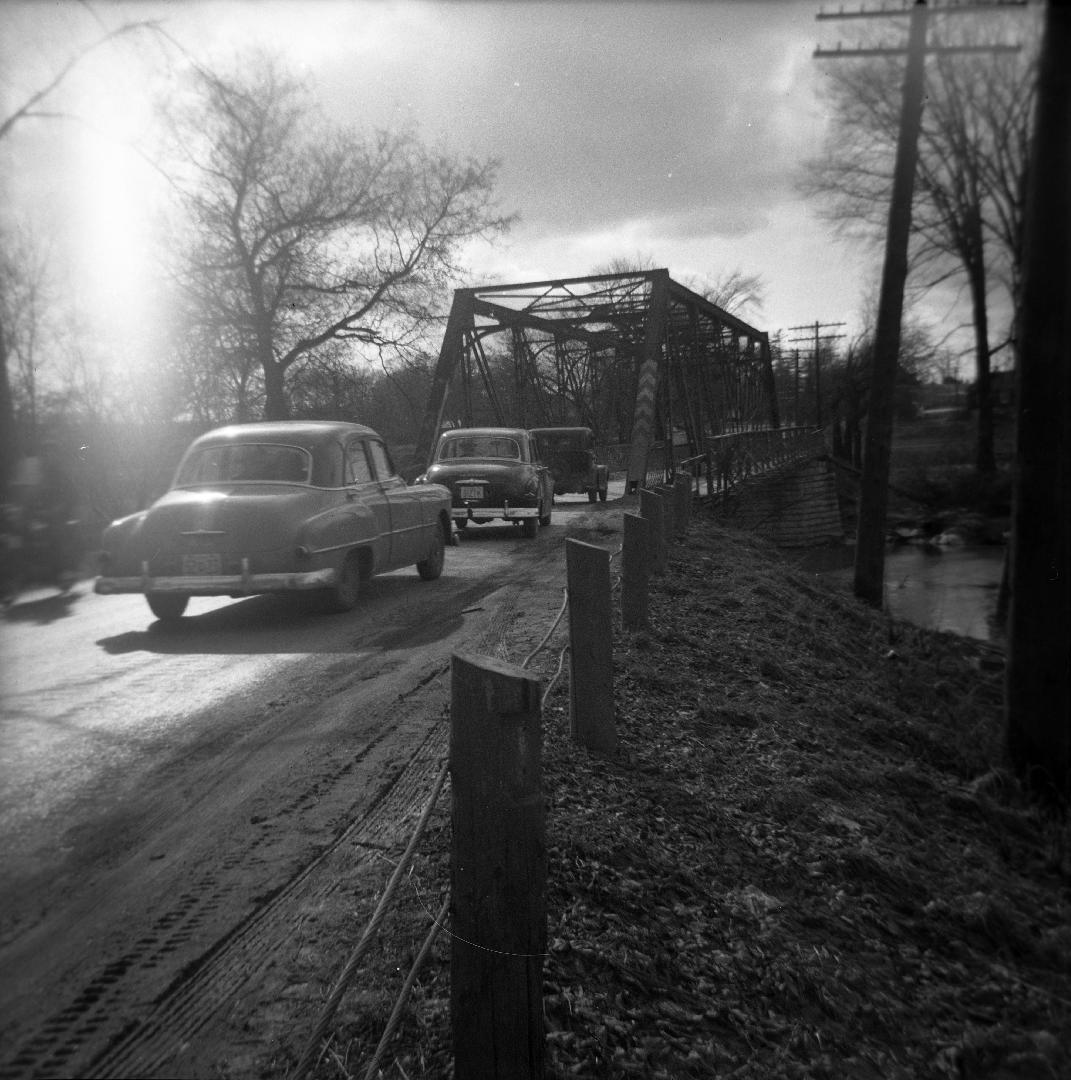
point(171, 797)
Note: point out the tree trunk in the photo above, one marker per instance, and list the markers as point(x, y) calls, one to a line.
point(9, 443)
point(1038, 688)
point(276, 405)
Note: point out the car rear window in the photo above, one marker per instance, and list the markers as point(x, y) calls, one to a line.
point(556, 442)
point(480, 446)
point(241, 462)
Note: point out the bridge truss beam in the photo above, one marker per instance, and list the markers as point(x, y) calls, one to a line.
point(636, 356)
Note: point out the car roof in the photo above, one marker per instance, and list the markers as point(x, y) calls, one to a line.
point(561, 431)
point(470, 431)
point(298, 432)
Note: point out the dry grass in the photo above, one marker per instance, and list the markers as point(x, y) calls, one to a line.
point(805, 860)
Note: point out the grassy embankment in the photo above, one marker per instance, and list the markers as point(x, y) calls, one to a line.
point(805, 861)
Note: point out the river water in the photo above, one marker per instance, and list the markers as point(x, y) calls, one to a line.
point(948, 588)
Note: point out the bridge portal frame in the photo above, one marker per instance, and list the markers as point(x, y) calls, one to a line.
point(698, 369)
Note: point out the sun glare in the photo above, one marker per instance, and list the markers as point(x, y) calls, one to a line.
point(113, 215)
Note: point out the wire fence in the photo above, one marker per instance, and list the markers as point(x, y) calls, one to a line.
point(726, 460)
point(316, 1045)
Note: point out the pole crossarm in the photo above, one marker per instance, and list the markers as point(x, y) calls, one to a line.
point(933, 50)
point(926, 11)
point(636, 356)
point(935, 9)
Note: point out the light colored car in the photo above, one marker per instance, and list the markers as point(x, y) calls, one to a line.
point(493, 473)
point(290, 506)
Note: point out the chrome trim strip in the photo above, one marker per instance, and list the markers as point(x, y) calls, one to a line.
point(508, 512)
point(217, 584)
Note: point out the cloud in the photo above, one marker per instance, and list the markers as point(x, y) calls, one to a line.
point(667, 128)
point(599, 112)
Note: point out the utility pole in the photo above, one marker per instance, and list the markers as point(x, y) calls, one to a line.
point(796, 390)
point(819, 337)
point(869, 581)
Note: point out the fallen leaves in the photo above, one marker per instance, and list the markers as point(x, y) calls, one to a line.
point(805, 860)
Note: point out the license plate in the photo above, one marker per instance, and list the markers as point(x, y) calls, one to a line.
point(474, 492)
point(202, 564)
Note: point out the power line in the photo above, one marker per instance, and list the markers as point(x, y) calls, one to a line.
point(818, 338)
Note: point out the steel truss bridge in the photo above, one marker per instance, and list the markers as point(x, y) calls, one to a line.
point(662, 375)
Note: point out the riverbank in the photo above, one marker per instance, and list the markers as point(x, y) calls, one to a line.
point(805, 860)
point(953, 588)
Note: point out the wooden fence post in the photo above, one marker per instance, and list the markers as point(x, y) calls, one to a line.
point(682, 503)
point(635, 573)
point(652, 507)
point(498, 871)
point(591, 647)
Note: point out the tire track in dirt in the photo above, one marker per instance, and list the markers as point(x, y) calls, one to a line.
point(89, 1020)
point(161, 1041)
point(198, 996)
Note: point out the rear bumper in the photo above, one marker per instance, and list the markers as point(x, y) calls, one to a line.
point(217, 584)
point(510, 513)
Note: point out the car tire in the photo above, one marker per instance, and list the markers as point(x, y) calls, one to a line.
point(529, 527)
point(602, 494)
point(545, 519)
point(342, 596)
point(431, 567)
point(167, 607)
point(592, 495)
point(461, 523)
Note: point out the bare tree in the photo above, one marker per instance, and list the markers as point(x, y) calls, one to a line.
point(967, 217)
point(304, 236)
point(25, 302)
point(732, 290)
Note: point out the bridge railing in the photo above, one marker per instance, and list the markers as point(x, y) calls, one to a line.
point(731, 458)
point(726, 459)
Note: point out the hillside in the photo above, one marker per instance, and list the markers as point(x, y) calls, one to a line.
point(805, 860)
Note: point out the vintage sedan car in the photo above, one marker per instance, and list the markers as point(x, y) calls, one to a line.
point(570, 454)
point(493, 473)
point(285, 507)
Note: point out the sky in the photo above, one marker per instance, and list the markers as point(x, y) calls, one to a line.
point(667, 130)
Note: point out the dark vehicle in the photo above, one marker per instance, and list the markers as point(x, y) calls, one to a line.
point(493, 473)
point(40, 536)
point(570, 454)
point(282, 507)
